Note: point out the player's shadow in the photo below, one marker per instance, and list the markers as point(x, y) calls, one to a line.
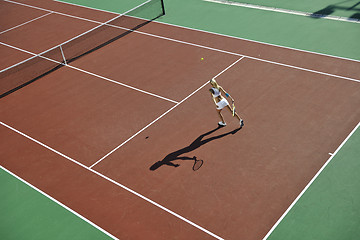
point(198, 142)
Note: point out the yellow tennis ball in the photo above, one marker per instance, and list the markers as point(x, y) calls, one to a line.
point(201, 59)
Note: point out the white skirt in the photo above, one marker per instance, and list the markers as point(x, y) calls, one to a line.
point(223, 103)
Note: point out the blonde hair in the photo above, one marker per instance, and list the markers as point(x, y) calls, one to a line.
point(214, 83)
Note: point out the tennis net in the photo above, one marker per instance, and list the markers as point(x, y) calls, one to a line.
point(31, 69)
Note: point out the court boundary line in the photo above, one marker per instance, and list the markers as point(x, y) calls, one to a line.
point(56, 12)
point(113, 181)
point(84, 71)
point(189, 28)
point(123, 143)
point(220, 34)
point(338, 147)
point(59, 203)
point(250, 57)
point(286, 11)
point(311, 182)
point(209, 48)
point(24, 23)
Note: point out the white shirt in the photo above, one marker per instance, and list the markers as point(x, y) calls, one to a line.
point(216, 92)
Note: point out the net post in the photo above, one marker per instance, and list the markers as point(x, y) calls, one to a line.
point(163, 7)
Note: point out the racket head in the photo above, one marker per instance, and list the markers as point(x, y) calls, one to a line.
point(197, 164)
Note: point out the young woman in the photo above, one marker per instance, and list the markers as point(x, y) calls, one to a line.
point(221, 102)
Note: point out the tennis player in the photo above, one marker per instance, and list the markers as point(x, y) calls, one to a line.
point(221, 102)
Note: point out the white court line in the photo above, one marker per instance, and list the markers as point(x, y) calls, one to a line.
point(309, 184)
point(174, 25)
point(122, 84)
point(241, 55)
point(219, 34)
point(101, 159)
point(287, 48)
point(100, 24)
point(59, 203)
point(223, 51)
point(112, 181)
point(84, 71)
point(210, 48)
point(78, 5)
point(59, 13)
point(250, 57)
point(7, 30)
point(118, 184)
point(280, 10)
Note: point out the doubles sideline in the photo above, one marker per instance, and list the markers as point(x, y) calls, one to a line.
point(59, 203)
point(311, 182)
point(198, 45)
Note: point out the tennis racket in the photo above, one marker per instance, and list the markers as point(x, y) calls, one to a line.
point(197, 164)
point(233, 109)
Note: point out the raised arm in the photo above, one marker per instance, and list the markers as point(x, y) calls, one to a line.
point(226, 93)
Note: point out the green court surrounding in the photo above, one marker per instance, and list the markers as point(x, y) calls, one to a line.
point(25, 213)
point(328, 210)
point(310, 34)
point(346, 8)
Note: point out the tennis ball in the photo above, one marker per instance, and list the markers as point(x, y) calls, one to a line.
point(201, 59)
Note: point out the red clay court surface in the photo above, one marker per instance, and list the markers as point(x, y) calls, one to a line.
point(61, 130)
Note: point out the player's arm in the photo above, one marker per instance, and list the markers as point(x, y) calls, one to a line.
point(226, 94)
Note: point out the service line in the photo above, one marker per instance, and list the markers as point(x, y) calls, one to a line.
point(50, 12)
point(80, 70)
point(101, 159)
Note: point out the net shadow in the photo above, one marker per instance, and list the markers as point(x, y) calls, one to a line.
point(36, 67)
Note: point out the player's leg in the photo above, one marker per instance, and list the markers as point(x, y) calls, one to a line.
point(237, 116)
point(222, 122)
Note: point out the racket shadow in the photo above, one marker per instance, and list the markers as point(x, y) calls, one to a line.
point(198, 142)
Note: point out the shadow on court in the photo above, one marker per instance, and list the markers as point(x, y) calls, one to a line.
point(332, 8)
point(198, 142)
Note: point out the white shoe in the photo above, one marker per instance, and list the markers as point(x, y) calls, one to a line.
point(222, 124)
